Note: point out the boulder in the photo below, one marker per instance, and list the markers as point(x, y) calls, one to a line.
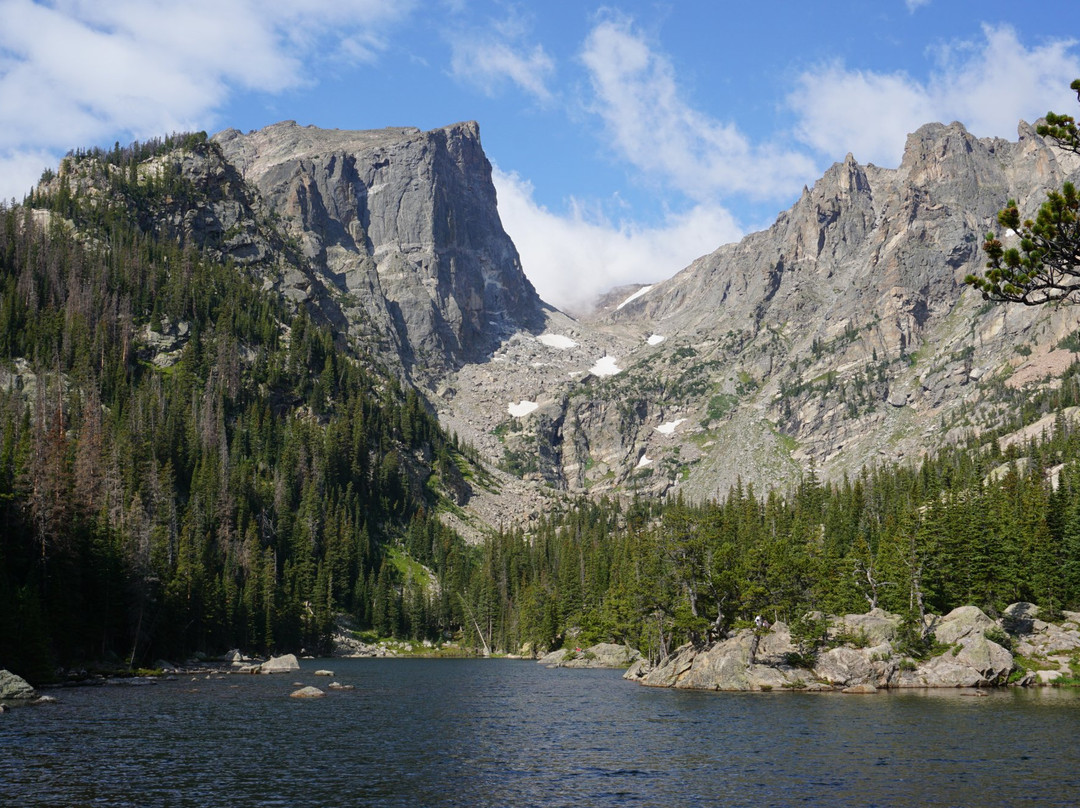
point(844, 666)
point(14, 687)
point(1019, 618)
point(1047, 677)
point(978, 662)
point(280, 664)
point(339, 686)
point(602, 655)
point(639, 670)
point(962, 622)
point(307, 693)
point(552, 658)
point(324, 673)
point(877, 625)
point(727, 666)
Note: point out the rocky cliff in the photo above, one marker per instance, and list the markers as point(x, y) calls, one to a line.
point(841, 335)
point(401, 227)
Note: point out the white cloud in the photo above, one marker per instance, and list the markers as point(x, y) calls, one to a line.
point(915, 4)
point(488, 66)
point(488, 58)
point(571, 259)
point(987, 85)
point(76, 72)
point(656, 130)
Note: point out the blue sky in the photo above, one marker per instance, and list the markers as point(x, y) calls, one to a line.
point(627, 137)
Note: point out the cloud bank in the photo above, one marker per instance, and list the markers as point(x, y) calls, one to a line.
point(988, 85)
point(83, 71)
point(575, 257)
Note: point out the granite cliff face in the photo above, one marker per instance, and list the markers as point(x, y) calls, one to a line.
point(840, 336)
point(401, 227)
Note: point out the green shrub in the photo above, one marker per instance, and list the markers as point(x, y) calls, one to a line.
point(1000, 636)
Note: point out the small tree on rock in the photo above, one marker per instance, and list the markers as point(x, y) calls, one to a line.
point(1044, 267)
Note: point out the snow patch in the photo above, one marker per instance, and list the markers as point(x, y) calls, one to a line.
point(645, 460)
point(605, 366)
point(522, 408)
point(655, 339)
point(634, 296)
point(556, 341)
point(669, 427)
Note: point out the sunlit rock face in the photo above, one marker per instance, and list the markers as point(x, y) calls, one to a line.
point(402, 227)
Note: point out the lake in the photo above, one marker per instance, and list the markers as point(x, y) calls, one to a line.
point(506, 733)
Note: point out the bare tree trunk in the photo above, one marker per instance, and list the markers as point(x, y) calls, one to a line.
point(753, 649)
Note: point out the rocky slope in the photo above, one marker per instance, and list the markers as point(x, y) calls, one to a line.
point(842, 335)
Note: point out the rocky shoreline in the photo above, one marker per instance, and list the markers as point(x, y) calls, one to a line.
point(603, 655)
point(862, 654)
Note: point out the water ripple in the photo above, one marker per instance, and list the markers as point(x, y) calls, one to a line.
point(494, 733)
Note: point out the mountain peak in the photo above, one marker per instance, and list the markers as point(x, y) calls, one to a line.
point(403, 225)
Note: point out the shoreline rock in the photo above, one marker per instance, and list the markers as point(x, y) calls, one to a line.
point(602, 655)
point(286, 663)
point(974, 651)
point(15, 688)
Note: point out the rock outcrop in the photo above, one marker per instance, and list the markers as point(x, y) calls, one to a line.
point(1049, 648)
point(602, 655)
point(857, 663)
point(15, 687)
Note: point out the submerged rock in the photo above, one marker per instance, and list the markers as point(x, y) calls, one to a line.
point(324, 673)
point(860, 690)
point(307, 693)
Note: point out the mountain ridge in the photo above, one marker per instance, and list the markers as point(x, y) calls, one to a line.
point(841, 335)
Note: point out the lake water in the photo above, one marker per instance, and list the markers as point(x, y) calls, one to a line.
point(504, 733)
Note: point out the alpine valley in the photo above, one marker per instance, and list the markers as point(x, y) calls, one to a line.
point(250, 383)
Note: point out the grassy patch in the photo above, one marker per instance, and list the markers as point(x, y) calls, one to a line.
point(407, 567)
point(720, 405)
